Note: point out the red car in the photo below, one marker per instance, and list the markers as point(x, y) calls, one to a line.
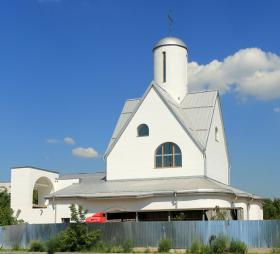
point(99, 217)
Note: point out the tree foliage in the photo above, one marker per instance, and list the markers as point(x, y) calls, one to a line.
point(271, 209)
point(6, 213)
point(77, 215)
point(220, 214)
point(76, 237)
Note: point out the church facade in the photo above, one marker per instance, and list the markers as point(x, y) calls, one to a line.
point(167, 160)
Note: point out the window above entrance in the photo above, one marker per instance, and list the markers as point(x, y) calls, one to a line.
point(168, 155)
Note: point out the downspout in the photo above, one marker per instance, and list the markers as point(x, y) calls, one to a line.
point(54, 209)
point(175, 200)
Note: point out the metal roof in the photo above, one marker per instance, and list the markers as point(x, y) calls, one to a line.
point(129, 107)
point(96, 187)
point(194, 113)
point(97, 175)
point(170, 41)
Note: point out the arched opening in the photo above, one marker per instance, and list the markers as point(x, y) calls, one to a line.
point(143, 130)
point(42, 187)
point(168, 155)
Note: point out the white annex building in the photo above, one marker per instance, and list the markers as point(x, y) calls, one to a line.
point(167, 159)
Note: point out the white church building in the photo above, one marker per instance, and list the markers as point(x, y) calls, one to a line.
point(167, 159)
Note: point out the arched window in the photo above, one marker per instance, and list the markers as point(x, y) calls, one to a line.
point(168, 155)
point(143, 130)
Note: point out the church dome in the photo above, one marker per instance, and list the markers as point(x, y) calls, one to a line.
point(170, 41)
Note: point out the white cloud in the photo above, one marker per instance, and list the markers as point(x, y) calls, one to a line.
point(276, 110)
point(85, 152)
point(52, 141)
point(248, 72)
point(69, 141)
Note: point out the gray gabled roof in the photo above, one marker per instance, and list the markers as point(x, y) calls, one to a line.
point(129, 107)
point(98, 187)
point(194, 114)
point(97, 175)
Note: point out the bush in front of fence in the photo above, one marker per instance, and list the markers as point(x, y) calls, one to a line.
point(75, 238)
point(37, 246)
point(237, 246)
point(164, 245)
point(103, 247)
point(218, 245)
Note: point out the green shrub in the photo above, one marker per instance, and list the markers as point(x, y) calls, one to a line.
point(206, 249)
point(116, 249)
point(101, 247)
point(147, 250)
point(219, 245)
point(37, 245)
point(16, 247)
point(164, 245)
point(238, 247)
point(127, 246)
point(196, 247)
point(199, 248)
point(74, 238)
point(53, 245)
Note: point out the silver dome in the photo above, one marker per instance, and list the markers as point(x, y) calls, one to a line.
point(170, 41)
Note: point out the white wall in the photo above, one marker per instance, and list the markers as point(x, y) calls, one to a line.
point(159, 203)
point(22, 185)
point(216, 153)
point(133, 157)
point(60, 184)
point(255, 211)
point(176, 70)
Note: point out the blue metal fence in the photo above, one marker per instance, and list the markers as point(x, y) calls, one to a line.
point(256, 234)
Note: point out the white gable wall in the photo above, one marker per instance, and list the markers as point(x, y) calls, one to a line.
point(217, 164)
point(133, 157)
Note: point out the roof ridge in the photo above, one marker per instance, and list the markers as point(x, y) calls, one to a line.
point(188, 126)
point(133, 99)
point(203, 91)
point(157, 178)
point(83, 173)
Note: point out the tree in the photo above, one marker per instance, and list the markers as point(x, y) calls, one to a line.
point(35, 197)
point(76, 237)
point(219, 214)
point(77, 215)
point(271, 209)
point(6, 213)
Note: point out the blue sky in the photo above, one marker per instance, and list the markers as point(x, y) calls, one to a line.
point(67, 66)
